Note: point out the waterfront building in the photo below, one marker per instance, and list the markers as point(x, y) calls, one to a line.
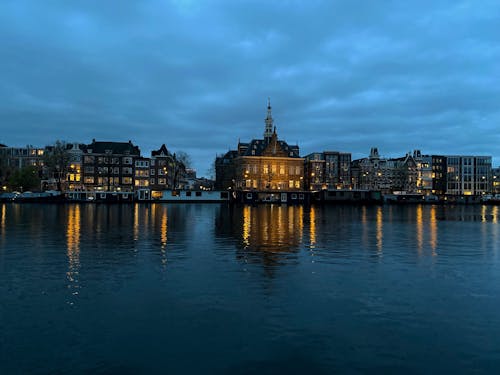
point(424, 172)
point(268, 164)
point(468, 175)
point(495, 180)
point(327, 170)
point(74, 173)
point(20, 157)
point(385, 175)
point(439, 168)
point(109, 166)
point(162, 171)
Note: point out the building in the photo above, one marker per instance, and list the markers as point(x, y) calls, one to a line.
point(327, 170)
point(267, 165)
point(439, 168)
point(468, 175)
point(495, 180)
point(109, 166)
point(385, 175)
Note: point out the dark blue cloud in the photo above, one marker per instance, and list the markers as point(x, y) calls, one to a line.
point(195, 75)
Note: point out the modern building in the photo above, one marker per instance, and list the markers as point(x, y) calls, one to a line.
point(495, 180)
point(468, 175)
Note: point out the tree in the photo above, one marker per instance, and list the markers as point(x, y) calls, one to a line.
point(5, 170)
point(184, 158)
point(24, 179)
point(56, 161)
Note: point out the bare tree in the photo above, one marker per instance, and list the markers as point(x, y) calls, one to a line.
point(56, 161)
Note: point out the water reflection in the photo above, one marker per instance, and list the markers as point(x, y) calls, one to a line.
point(420, 229)
point(73, 229)
point(3, 219)
point(164, 234)
point(380, 229)
point(433, 230)
point(268, 234)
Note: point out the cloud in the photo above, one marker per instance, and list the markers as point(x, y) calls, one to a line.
point(196, 75)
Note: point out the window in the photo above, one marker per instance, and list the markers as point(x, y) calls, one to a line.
point(152, 172)
point(127, 160)
point(89, 180)
point(290, 184)
point(282, 169)
point(266, 169)
point(127, 180)
point(294, 196)
point(198, 193)
point(89, 170)
point(188, 193)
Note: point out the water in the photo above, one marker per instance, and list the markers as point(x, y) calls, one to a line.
point(271, 289)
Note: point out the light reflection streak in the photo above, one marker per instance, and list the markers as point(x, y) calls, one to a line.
point(312, 227)
point(494, 214)
point(420, 229)
point(246, 225)
point(164, 235)
point(73, 230)
point(136, 222)
point(3, 219)
point(433, 230)
point(380, 233)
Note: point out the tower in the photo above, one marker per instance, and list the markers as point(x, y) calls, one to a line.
point(268, 132)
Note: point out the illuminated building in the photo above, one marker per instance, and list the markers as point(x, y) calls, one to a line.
point(386, 175)
point(468, 175)
point(327, 170)
point(109, 166)
point(495, 180)
point(267, 164)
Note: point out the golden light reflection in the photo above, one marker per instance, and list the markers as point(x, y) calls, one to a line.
point(312, 228)
point(433, 230)
point(3, 218)
point(164, 226)
point(380, 234)
point(272, 229)
point(420, 229)
point(164, 235)
point(494, 214)
point(247, 224)
point(73, 230)
point(136, 222)
point(483, 214)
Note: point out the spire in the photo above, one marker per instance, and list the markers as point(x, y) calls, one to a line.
point(268, 132)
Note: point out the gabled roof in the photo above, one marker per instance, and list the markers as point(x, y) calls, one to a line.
point(162, 151)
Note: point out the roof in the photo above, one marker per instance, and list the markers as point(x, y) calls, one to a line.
point(259, 147)
point(162, 151)
point(114, 147)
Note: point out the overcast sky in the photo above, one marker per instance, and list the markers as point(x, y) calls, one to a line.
point(196, 75)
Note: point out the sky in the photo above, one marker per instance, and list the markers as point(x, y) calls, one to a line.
point(196, 75)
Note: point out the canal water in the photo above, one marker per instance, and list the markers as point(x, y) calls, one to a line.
point(208, 288)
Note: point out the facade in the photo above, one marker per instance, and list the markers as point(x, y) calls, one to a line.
point(268, 165)
point(109, 166)
point(386, 175)
point(439, 169)
point(495, 180)
point(20, 157)
point(468, 175)
point(74, 174)
point(424, 172)
point(327, 170)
